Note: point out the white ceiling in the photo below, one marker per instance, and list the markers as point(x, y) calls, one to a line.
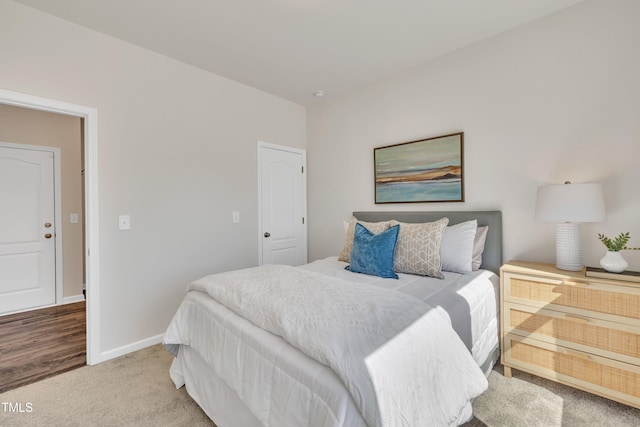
point(291, 48)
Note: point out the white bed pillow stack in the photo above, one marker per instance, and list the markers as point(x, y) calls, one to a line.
point(457, 247)
point(462, 247)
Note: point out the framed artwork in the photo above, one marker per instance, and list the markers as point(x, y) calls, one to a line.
point(427, 170)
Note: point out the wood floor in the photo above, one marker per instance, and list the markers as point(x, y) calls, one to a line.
point(41, 343)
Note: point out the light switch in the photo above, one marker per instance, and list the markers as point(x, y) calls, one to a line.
point(236, 217)
point(73, 218)
point(124, 222)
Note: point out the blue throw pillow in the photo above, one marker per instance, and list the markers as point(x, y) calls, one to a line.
point(373, 253)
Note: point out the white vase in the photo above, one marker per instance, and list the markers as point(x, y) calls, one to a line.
point(613, 262)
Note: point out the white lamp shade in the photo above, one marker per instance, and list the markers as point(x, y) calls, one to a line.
point(570, 203)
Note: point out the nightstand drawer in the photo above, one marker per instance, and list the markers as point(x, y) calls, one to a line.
point(576, 294)
point(608, 339)
point(596, 374)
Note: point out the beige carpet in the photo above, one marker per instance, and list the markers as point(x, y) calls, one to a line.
point(135, 390)
point(529, 401)
point(132, 390)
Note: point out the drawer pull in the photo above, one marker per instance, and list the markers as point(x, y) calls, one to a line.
point(576, 354)
point(576, 318)
point(577, 284)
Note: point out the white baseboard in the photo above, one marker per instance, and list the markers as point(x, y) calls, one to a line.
point(72, 299)
point(129, 348)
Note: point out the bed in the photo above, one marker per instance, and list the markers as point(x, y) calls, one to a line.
point(246, 368)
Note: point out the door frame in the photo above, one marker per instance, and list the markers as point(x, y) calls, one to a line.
point(261, 146)
point(57, 212)
point(92, 255)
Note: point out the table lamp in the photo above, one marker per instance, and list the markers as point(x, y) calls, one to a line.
point(568, 205)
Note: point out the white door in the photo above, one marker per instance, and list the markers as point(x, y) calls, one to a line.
point(27, 237)
point(283, 229)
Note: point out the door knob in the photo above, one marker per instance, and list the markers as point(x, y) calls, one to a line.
point(47, 236)
point(267, 234)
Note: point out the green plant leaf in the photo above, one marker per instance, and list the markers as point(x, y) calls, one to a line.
point(617, 244)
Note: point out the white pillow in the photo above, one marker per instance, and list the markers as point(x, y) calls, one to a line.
point(478, 247)
point(456, 250)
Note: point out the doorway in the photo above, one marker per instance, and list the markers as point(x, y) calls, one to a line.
point(91, 247)
point(30, 258)
point(282, 205)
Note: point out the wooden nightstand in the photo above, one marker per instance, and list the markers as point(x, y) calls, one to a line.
point(577, 330)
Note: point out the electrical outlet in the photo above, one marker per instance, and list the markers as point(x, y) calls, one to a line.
point(124, 222)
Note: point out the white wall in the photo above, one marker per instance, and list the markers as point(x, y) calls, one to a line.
point(555, 100)
point(176, 149)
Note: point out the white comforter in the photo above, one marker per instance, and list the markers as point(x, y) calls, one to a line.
point(401, 361)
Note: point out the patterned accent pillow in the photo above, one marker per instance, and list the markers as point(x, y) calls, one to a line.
point(418, 248)
point(374, 227)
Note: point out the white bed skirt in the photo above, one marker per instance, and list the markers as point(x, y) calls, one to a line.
point(216, 399)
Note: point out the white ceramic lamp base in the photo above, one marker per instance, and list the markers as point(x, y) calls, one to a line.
point(568, 246)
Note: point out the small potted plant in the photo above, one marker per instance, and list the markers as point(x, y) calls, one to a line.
point(613, 260)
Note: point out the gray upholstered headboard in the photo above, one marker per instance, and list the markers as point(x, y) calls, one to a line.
point(492, 256)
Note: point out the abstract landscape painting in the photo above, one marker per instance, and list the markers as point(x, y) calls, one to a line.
point(427, 170)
